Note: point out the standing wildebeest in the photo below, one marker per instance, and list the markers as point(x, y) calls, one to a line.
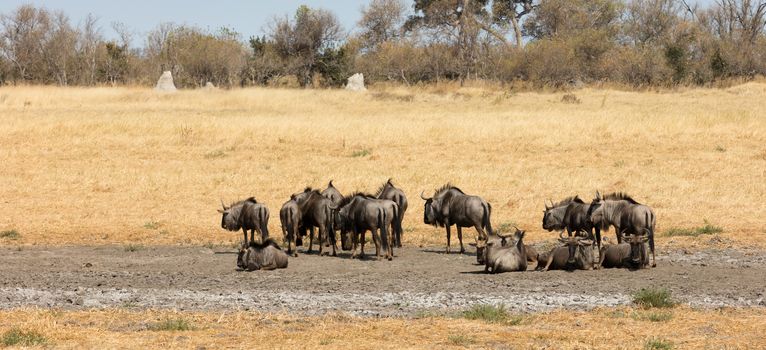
point(317, 211)
point(631, 254)
point(576, 253)
point(361, 212)
point(577, 219)
point(335, 196)
point(266, 255)
point(553, 215)
point(626, 215)
point(390, 192)
point(290, 218)
point(246, 215)
point(451, 206)
point(504, 257)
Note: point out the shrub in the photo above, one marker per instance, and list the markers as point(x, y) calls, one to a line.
point(487, 313)
point(178, 324)
point(10, 234)
point(653, 297)
point(658, 344)
point(707, 229)
point(16, 336)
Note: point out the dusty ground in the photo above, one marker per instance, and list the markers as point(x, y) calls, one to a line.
point(419, 280)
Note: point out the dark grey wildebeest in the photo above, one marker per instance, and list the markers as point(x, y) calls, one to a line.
point(246, 215)
point(335, 196)
point(577, 220)
point(504, 256)
point(390, 192)
point(631, 254)
point(626, 215)
point(317, 211)
point(266, 255)
point(360, 213)
point(575, 253)
point(451, 206)
point(290, 218)
point(553, 215)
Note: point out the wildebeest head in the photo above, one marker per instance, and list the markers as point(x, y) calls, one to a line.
point(343, 222)
point(553, 215)
point(241, 257)
point(430, 209)
point(596, 212)
point(574, 244)
point(481, 250)
point(229, 218)
point(637, 247)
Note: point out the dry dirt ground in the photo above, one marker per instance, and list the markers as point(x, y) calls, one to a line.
point(417, 281)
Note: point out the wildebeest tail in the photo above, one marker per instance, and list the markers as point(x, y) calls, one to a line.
point(383, 229)
point(329, 227)
point(263, 214)
point(486, 218)
point(290, 225)
point(398, 223)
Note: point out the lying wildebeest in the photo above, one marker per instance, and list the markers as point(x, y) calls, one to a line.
point(451, 206)
point(576, 253)
point(246, 215)
point(630, 254)
point(481, 246)
point(290, 218)
point(266, 255)
point(626, 215)
point(317, 211)
point(390, 192)
point(506, 256)
point(361, 212)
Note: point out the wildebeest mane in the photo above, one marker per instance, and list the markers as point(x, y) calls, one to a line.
point(383, 187)
point(251, 200)
point(347, 199)
point(447, 187)
point(566, 201)
point(617, 196)
point(264, 244)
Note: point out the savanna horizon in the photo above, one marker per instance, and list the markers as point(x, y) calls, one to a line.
point(93, 166)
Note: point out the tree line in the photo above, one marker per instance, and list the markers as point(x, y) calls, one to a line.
point(543, 43)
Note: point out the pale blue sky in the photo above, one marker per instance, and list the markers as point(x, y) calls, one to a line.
point(249, 17)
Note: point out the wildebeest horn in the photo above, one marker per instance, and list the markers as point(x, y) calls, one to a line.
point(501, 236)
point(561, 234)
point(598, 195)
point(423, 197)
point(223, 205)
point(585, 242)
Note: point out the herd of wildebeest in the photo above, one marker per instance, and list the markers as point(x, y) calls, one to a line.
point(381, 213)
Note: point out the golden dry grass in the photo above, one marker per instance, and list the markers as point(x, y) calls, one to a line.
point(622, 328)
point(120, 165)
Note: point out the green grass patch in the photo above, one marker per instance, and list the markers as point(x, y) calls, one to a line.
point(361, 153)
point(460, 340)
point(152, 225)
point(658, 344)
point(133, 248)
point(10, 234)
point(653, 297)
point(19, 337)
point(487, 313)
point(215, 154)
point(707, 229)
point(720, 148)
point(176, 324)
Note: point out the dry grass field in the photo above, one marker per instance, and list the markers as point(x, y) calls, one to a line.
point(621, 328)
point(131, 166)
point(128, 166)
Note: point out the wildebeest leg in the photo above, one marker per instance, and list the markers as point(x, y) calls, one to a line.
point(354, 242)
point(244, 231)
point(460, 238)
point(322, 239)
point(311, 238)
point(446, 225)
point(376, 240)
point(619, 234)
point(598, 242)
point(651, 247)
point(363, 235)
point(252, 234)
point(548, 264)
